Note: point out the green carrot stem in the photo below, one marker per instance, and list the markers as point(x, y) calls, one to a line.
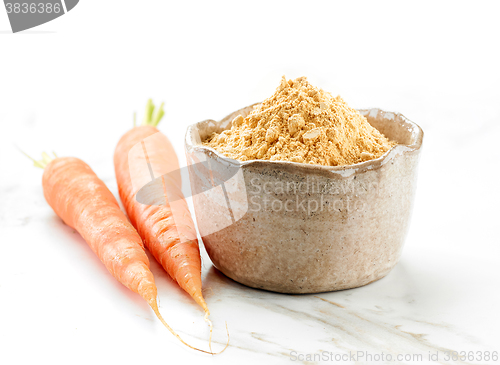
point(152, 117)
point(46, 159)
point(158, 115)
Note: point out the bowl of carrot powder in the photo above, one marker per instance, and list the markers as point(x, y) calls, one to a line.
point(302, 193)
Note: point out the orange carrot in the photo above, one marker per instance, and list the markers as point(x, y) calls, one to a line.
point(84, 203)
point(167, 228)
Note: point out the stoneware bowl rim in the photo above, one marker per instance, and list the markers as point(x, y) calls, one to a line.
point(346, 170)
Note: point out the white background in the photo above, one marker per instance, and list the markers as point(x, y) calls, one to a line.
point(72, 85)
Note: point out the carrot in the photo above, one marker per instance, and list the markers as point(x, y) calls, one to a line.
point(84, 203)
point(142, 155)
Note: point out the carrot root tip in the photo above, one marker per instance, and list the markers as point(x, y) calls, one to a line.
point(155, 309)
point(210, 338)
point(227, 343)
point(211, 329)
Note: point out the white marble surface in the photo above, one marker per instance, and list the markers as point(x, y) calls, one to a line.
point(58, 305)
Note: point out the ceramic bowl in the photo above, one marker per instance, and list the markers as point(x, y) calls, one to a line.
point(298, 228)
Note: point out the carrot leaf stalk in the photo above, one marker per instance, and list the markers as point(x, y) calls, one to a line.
point(46, 159)
point(152, 117)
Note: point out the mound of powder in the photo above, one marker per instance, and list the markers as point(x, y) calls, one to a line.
point(301, 123)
